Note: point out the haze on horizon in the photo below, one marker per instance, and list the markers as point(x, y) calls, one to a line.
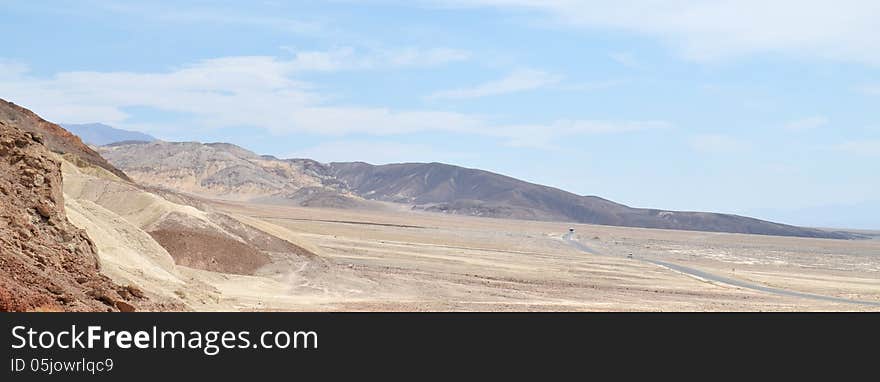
point(766, 110)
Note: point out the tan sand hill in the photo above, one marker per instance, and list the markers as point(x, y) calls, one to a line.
point(193, 237)
point(124, 221)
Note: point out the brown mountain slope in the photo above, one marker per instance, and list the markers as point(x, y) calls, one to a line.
point(228, 171)
point(45, 262)
point(56, 138)
point(451, 189)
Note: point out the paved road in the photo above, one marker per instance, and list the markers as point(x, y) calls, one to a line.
point(721, 279)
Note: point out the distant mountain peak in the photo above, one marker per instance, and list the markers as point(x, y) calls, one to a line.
point(99, 134)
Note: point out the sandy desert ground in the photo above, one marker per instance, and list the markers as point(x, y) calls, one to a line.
point(394, 259)
point(416, 261)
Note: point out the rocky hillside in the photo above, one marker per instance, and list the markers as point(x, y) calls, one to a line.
point(76, 234)
point(56, 138)
point(46, 264)
point(227, 171)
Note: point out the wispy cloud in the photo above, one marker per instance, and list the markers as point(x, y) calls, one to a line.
point(265, 92)
point(223, 92)
point(717, 144)
point(349, 58)
point(866, 148)
point(809, 123)
point(709, 30)
point(424, 57)
point(591, 86)
point(517, 81)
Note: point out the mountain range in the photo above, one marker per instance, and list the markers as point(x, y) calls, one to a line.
point(227, 171)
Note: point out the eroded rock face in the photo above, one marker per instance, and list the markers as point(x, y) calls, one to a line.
point(53, 136)
point(226, 171)
point(45, 262)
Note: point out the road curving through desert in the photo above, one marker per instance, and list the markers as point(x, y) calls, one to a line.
point(569, 237)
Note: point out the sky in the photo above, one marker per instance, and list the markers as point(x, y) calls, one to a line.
point(761, 108)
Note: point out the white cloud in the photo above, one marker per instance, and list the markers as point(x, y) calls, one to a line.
point(262, 92)
point(220, 87)
point(418, 57)
point(348, 58)
point(867, 148)
point(517, 81)
point(806, 123)
point(712, 29)
point(717, 144)
point(222, 92)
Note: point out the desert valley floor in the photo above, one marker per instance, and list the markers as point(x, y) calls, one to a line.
point(213, 227)
point(416, 261)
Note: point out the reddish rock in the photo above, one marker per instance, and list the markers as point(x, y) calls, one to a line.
point(124, 306)
point(46, 263)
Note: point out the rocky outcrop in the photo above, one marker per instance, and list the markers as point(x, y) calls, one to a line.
point(226, 171)
point(46, 264)
point(54, 137)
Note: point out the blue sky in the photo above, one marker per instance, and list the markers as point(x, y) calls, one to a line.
point(761, 108)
